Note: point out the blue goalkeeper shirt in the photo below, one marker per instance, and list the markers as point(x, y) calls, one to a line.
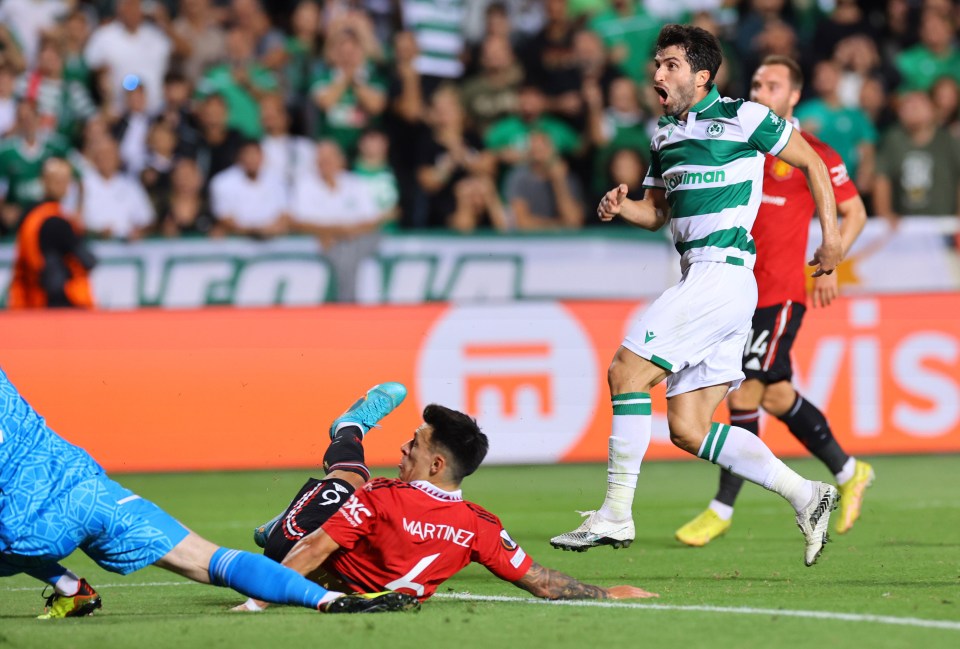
point(37, 466)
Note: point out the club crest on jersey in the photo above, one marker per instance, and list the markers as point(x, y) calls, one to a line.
point(781, 170)
point(715, 129)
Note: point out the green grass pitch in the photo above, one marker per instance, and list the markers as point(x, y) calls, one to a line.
point(899, 567)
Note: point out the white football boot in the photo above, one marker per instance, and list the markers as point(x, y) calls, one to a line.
point(814, 520)
point(596, 531)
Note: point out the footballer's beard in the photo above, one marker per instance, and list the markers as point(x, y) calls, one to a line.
point(679, 100)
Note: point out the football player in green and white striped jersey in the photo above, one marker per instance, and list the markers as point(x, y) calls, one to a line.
point(705, 178)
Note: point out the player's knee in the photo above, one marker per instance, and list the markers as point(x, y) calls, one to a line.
point(686, 432)
point(748, 396)
point(631, 373)
point(779, 398)
point(617, 375)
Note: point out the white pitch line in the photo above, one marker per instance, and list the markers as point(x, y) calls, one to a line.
point(735, 610)
point(704, 608)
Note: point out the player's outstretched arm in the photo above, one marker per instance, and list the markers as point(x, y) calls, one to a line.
point(649, 213)
point(798, 153)
point(553, 584)
point(853, 216)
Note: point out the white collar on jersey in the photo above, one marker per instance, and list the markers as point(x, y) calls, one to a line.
point(433, 490)
point(795, 122)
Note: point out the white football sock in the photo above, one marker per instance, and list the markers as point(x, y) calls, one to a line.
point(847, 470)
point(629, 439)
point(68, 584)
point(744, 454)
point(724, 511)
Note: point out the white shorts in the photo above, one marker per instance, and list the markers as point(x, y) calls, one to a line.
point(697, 329)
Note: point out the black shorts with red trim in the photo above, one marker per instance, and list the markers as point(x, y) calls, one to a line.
point(766, 356)
point(316, 502)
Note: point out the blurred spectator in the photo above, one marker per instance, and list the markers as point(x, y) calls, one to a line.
point(935, 56)
point(53, 263)
point(873, 102)
point(859, 60)
point(130, 131)
point(543, 194)
point(675, 10)
point(129, 46)
point(918, 166)
point(199, 42)
point(218, 144)
point(592, 62)
point(242, 82)
point(406, 88)
point(496, 25)
point(159, 163)
point(95, 131)
point(847, 19)
point(177, 114)
point(509, 137)
point(10, 55)
point(752, 24)
point(63, 105)
point(357, 21)
point(74, 37)
point(372, 165)
point(478, 206)
point(493, 93)
point(629, 32)
point(527, 17)
point(350, 93)
point(8, 105)
point(336, 206)
point(284, 155)
point(898, 23)
point(628, 168)
point(184, 210)
point(303, 47)
point(115, 206)
point(776, 38)
point(437, 26)
point(448, 155)
point(22, 155)
point(946, 104)
point(403, 125)
point(620, 126)
point(848, 130)
point(27, 20)
point(268, 41)
point(245, 200)
point(551, 61)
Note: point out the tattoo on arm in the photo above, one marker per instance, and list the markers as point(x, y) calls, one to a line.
point(553, 584)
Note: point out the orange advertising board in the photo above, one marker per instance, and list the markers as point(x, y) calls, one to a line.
point(157, 390)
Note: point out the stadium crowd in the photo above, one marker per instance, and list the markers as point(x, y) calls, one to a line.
point(335, 118)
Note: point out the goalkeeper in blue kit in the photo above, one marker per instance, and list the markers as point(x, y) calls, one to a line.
point(55, 498)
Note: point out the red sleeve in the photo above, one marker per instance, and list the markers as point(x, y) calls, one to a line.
point(356, 519)
point(495, 550)
point(843, 187)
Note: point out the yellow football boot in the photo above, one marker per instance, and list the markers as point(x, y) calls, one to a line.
point(851, 496)
point(703, 529)
point(84, 602)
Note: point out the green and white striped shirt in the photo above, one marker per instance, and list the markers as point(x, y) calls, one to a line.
point(438, 28)
point(711, 167)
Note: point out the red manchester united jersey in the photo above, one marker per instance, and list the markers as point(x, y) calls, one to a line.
point(783, 223)
point(412, 536)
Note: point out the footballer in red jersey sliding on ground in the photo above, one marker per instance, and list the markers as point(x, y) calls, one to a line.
point(411, 534)
point(780, 233)
point(705, 178)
